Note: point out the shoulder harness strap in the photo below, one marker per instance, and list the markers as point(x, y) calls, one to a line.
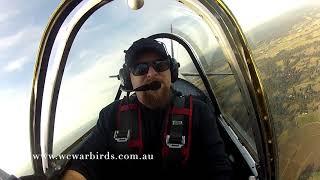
point(177, 131)
point(128, 132)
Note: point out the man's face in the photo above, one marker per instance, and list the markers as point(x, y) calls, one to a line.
point(152, 99)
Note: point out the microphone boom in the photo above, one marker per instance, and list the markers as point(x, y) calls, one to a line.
point(155, 85)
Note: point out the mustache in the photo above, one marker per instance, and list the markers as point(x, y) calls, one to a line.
point(152, 80)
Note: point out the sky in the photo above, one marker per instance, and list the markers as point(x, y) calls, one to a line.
point(96, 53)
point(257, 12)
point(21, 26)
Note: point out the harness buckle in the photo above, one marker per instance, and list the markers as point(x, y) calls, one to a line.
point(122, 135)
point(178, 142)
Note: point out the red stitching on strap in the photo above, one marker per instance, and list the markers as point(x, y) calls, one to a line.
point(127, 107)
point(180, 111)
point(189, 133)
point(132, 143)
point(165, 149)
point(140, 131)
point(135, 143)
point(118, 117)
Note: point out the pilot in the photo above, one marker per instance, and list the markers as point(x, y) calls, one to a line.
point(155, 132)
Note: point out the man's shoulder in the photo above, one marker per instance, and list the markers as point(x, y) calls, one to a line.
point(201, 104)
point(110, 107)
point(115, 104)
point(197, 101)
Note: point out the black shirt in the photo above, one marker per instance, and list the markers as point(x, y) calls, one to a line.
point(207, 155)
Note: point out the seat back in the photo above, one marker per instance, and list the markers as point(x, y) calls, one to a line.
point(186, 88)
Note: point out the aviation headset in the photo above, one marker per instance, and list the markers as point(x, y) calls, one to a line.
point(139, 46)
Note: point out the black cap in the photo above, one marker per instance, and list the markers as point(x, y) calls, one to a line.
point(142, 45)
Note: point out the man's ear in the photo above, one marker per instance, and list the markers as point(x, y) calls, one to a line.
point(125, 79)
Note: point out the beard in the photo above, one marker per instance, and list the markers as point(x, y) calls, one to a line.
point(154, 99)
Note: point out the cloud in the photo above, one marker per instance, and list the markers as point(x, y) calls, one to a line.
point(7, 15)
point(27, 35)
point(82, 95)
point(14, 107)
point(87, 28)
point(16, 65)
point(84, 53)
point(19, 49)
point(6, 42)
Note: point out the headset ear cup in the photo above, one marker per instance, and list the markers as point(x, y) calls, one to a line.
point(124, 77)
point(174, 68)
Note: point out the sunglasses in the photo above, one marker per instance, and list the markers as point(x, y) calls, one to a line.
point(140, 69)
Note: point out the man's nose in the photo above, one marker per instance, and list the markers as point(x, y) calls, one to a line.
point(151, 72)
